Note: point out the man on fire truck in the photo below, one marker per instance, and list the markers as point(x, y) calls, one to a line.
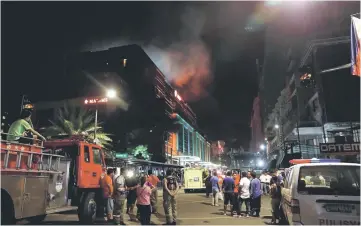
point(19, 128)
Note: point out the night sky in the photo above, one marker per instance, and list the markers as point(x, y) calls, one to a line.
point(225, 37)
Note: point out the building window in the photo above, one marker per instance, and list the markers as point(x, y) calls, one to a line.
point(186, 137)
point(97, 157)
point(180, 139)
point(86, 154)
point(191, 150)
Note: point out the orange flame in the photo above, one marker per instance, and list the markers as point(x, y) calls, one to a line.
point(188, 70)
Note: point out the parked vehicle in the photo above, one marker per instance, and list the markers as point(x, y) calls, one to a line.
point(56, 176)
point(193, 179)
point(321, 192)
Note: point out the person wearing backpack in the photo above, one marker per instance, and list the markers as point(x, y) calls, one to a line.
point(170, 190)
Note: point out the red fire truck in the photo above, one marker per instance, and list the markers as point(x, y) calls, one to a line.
point(55, 176)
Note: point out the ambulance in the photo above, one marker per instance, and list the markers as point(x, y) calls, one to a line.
point(321, 192)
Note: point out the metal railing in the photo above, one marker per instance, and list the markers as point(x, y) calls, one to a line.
point(45, 163)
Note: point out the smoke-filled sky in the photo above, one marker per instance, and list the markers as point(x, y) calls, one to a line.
point(207, 50)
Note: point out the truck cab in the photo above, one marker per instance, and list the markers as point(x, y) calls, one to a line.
point(86, 168)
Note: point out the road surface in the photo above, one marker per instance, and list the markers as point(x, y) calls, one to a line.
point(193, 209)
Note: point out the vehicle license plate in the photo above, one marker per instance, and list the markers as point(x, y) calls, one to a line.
point(339, 208)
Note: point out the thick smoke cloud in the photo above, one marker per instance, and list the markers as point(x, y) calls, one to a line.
point(185, 63)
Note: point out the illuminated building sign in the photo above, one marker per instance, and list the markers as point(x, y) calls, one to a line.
point(177, 95)
point(96, 100)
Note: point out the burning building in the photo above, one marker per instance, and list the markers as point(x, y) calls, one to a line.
point(157, 115)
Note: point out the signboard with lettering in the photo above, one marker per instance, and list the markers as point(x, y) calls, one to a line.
point(96, 100)
point(121, 155)
point(339, 148)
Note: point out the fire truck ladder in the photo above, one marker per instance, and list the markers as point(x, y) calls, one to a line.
point(49, 158)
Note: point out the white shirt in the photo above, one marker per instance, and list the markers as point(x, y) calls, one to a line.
point(268, 178)
point(262, 178)
point(244, 185)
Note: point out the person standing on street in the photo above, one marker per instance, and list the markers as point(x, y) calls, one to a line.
point(131, 183)
point(244, 193)
point(268, 181)
point(120, 195)
point(235, 206)
point(208, 184)
point(170, 190)
point(249, 175)
point(228, 190)
point(143, 201)
point(275, 193)
point(154, 180)
point(215, 188)
point(107, 186)
point(263, 179)
point(256, 193)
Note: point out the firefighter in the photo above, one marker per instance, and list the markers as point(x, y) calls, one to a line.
point(170, 190)
point(107, 186)
point(19, 129)
point(120, 196)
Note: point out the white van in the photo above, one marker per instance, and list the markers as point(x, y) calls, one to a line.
point(322, 194)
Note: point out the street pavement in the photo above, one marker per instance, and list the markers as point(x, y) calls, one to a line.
point(193, 209)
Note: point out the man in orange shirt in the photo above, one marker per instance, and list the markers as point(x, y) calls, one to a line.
point(235, 207)
point(107, 186)
point(154, 180)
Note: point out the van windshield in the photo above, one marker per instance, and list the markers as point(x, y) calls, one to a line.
point(330, 180)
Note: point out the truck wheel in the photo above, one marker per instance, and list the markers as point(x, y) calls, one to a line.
point(7, 210)
point(36, 219)
point(88, 209)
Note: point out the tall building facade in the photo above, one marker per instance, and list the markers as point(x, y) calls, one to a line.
point(313, 109)
point(282, 85)
point(157, 113)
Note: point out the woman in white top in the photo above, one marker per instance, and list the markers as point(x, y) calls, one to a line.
point(244, 193)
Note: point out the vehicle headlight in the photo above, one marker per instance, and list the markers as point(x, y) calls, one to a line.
point(130, 173)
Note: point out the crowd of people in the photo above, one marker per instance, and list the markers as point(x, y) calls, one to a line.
point(121, 194)
point(245, 189)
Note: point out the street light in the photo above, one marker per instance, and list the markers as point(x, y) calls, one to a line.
point(262, 147)
point(111, 93)
point(277, 126)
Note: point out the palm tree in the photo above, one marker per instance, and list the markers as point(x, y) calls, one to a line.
point(140, 152)
point(73, 120)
